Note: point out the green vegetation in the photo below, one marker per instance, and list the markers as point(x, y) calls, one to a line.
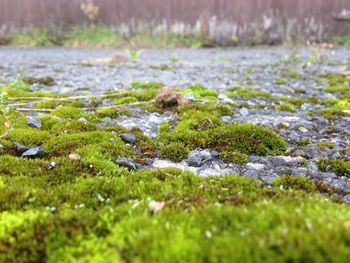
point(204, 129)
point(33, 37)
point(295, 183)
point(200, 92)
point(59, 209)
point(96, 219)
point(102, 36)
point(338, 166)
point(96, 36)
point(247, 93)
point(286, 107)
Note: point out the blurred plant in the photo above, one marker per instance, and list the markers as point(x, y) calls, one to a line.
point(134, 54)
point(91, 10)
point(4, 110)
point(174, 58)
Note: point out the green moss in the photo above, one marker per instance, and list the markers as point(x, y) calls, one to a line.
point(201, 92)
point(69, 112)
point(322, 145)
point(175, 151)
point(303, 142)
point(285, 107)
point(214, 109)
point(102, 141)
point(340, 167)
point(97, 219)
point(247, 93)
point(29, 137)
point(46, 81)
point(281, 82)
point(203, 130)
point(234, 157)
point(108, 112)
point(125, 100)
point(47, 104)
point(295, 183)
point(337, 89)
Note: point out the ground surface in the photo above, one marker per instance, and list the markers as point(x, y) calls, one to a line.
point(298, 103)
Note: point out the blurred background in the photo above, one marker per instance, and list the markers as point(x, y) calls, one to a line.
point(167, 23)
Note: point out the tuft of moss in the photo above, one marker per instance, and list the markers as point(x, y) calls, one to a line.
point(281, 82)
point(201, 92)
point(247, 93)
point(295, 183)
point(286, 107)
point(107, 112)
point(233, 157)
point(339, 166)
point(203, 130)
point(175, 151)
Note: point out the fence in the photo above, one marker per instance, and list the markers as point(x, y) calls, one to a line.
point(227, 21)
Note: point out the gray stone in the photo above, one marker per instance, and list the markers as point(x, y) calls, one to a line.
point(34, 152)
point(215, 154)
point(226, 119)
point(195, 158)
point(20, 148)
point(34, 123)
point(254, 158)
point(127, 163)
point(128, 137)
point(206, 154)
point(255, 166)
point(243, 112)
point(312, 167)
point(313, 152)
point(83, 120)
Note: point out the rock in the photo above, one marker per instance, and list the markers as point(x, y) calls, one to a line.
point(34, 123)
point(243, 112)
point(303, 129)
point(215, 154)
point(226, 119)
point(313, 152)
point(286, 160)
point(127, 163)
point(20, 148)
point(195, 158)
point(83, 120)
point(225, 99)
point(128, 137)
point(75, 157)
point(34, 152)
point(168, 98)
point(312, 167)
point(347, 199)
point(206, 154)
point(255, 166)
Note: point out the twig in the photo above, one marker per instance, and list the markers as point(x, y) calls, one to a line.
point(69, 98)
point(8, 124)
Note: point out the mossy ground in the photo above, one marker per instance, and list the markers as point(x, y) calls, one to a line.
point(54, 209)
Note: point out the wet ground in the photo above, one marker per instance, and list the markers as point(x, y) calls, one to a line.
point(291, 76)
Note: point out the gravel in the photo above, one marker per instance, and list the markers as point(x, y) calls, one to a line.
point(218, 69)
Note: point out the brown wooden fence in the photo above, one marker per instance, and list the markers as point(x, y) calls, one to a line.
point(226, 20)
